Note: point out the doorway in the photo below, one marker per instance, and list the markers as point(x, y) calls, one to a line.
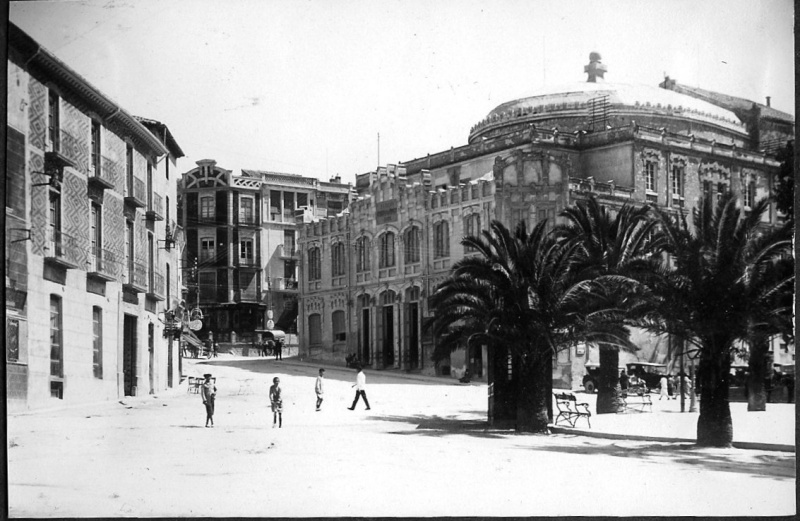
point(388, 335)
point(413, 335)
point(129, 347)
point(151, 350)
point(365, 339)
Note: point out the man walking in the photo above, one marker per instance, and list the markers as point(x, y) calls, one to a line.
point(361, 389)
point(318, 388)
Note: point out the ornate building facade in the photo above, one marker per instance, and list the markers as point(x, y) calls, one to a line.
point(241, 252)
point(92, 260)
point(366, 275)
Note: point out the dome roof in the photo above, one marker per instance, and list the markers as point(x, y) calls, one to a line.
point(621, 97)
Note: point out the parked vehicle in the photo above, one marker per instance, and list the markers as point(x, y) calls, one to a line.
point(592, 377)
point(649, 372)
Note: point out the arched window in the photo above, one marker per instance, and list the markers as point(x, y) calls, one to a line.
point(441, 240)
point(386, 250)
point(314, 329)
point(412, 241)
point(339, 327)
point(472, 228)
point(363, 251)
point(337, 259)
point(314, 264)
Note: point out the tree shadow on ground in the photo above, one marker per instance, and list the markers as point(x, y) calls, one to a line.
point(779, 465)
point(438, 426)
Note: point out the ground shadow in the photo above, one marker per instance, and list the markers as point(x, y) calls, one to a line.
point(438, 426)
point(778, 465)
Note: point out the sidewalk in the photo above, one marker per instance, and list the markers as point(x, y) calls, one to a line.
point(773, 429)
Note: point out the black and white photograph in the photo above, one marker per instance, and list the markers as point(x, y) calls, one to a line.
point(400, 258)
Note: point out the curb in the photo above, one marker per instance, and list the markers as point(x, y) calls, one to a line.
point(752, 445)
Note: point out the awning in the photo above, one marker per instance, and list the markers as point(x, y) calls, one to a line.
point(275, 334)
point(192, 339)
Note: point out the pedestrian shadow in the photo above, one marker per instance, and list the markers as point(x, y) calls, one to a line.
point(190, 426)
point(773, 466)
point(438, 426)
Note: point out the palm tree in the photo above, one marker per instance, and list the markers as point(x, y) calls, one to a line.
point(622, 245)
point(519, 293)
point(723, 285)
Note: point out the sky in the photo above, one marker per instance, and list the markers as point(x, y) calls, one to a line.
point(338, 87)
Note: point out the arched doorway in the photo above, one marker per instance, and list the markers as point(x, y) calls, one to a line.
point(363, 305)
point(386, 327)
point(411, 326)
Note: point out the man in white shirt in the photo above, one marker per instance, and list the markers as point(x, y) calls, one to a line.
point(318, 388)
point(361, 389)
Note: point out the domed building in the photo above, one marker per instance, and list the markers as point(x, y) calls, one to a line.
point(366, 274)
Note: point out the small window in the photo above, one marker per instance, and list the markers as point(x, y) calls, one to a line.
point(246, 252)
point(53, 122)
point(338, 259)
point(206, 250)
point(96, 161)
point(314, 264)
point(363, 252)
point(650, 176)
point(207, 208)
point(411, 242)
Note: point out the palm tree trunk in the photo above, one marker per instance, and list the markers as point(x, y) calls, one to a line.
point(608, 390)
point(714, 426)
point(533, 395)
point(757, 369)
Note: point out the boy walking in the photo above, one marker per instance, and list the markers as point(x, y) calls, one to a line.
point(318, 388)
point(209, 393)
point(361, 389)
point(277, 402)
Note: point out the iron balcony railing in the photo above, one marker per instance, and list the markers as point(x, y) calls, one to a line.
point(103, 262)
point(156, 287)
point(64, 249)
point(136, 276)
point(103, 172)
point(155, 208)
point(135, 192)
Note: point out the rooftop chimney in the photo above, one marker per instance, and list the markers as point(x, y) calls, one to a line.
point(595, 69)
point(768, 98)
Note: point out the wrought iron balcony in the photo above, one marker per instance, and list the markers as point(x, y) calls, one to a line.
point(246, 220)
point(284, 284)
point(103, 265)
point(63, 249)
point(241, 295)
point(288, 251)
point(102, 174)
point(136, 277)
point(155, 208)
point(135, 193)
point(249, 262)
point(156, 288)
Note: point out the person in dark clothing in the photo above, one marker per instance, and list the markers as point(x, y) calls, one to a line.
point(279, 349)
point(209, 393)
point(623, 380)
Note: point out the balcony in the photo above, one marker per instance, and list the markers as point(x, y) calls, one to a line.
point(135, 193)
point(249, 262)
point(155, 208)
point(288, 252)
point(103, 265)
point(247, 221)
point(63, 250)
point(284, 284)
point(136, 277)
point(246, 296)
point(155, 286)
point(102, 174)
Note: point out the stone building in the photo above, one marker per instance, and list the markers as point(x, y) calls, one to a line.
point(92, 259)
point(241, 248)
point(366, 275)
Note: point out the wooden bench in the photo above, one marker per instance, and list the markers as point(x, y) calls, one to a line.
point(636, 399)
point(569, 410)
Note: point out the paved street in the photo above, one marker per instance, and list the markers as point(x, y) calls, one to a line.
point(423, 450)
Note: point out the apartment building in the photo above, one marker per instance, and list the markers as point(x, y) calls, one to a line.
point(92, 242)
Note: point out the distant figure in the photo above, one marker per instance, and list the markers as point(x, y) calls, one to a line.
point(361, 389)
point(279, 349)
point(671, 386)
point(277, 402)
point(318, 388)
point(664, 388)
point(214, 349)
point(623, 380)
point(209, 393)
point(269, 347)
